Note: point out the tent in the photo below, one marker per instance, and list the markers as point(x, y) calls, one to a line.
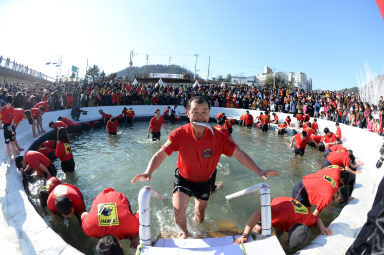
point(161, 82)
point(196, 85)
point(134, 82)
point(222, 85)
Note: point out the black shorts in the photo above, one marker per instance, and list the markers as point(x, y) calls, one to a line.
point(129, 119)
point(68, 166)
point(300, 194)
point(299, 151)
point(155, 136)
point(52, 170)
point(9, 136)
point(200, 190)
point(249, 126)
point(230, 130)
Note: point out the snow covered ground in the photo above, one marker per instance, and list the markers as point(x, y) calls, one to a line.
point(23, 231)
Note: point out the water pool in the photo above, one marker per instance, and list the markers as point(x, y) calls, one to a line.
point(111, 161)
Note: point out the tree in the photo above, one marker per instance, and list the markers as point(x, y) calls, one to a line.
point(229, 78)
point(268, 82)
point(93, 72)
point(220, 78)
point(102, 75)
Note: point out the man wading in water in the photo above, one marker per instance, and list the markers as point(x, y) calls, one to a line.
point(200, 147)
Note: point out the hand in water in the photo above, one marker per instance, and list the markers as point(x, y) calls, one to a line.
point(267, 173)
point(140, 178)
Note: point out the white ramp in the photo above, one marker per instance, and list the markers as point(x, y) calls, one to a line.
point(213, 246)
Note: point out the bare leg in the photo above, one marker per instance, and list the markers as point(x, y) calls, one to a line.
point(18, 147)
point(34, 128)
point(14, 149)
point(180, 203)
point(9, 153)
point(200, 206)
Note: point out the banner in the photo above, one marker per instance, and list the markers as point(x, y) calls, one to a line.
point(166, 75)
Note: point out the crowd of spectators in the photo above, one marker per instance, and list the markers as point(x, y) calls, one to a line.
point(342, 107)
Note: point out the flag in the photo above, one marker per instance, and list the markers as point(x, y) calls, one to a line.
point(380, 3)
point(75, 69)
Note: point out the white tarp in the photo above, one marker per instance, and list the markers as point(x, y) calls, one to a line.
point(197, 84)
point(134, 82)
point(222, 85)
point(161, 82)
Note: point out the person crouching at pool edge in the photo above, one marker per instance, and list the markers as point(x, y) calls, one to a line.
point(112, 126)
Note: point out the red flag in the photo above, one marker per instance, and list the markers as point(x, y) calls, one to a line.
point(380, 3)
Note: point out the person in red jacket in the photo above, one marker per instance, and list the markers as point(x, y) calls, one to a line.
point(338, 132)
point(112, 126)
point(344, 159)
point(301, 141)
point(220, 120)
point(6, 118)
point(43, 104)
point(111, 215)
point(46, 189)
point(288, 215)
point(275, 118)
point(319, 188)
point(105, 116)
point(64, 151)
point(58, 124)
point(155, 126)
point(166, 112)
point(130, 115)
point(327, 140)
point(35, 161)
point(248, 120)
point(315, 126)
point(66, 200)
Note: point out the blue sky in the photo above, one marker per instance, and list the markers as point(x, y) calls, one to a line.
point(329, 40)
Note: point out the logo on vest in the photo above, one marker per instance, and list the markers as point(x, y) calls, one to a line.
point(107, 215)
point(207, 153)
point(330, 180)
point(299, 207)
point(67, 147)
point(167, 143)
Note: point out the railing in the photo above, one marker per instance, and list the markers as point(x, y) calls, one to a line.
point(265, 198)
point(20, 68)
point(144, 199)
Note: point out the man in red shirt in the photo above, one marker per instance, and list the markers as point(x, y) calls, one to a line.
point(155, 126)
point(248, 120)
point(281, 129)
point(200, 148)
point(66, 200)
point(342, 158)
point(288, 215)
point(315, 126)
point(275, 118)
point(111, 214)
point(319, 188)
point(46, 189)
point(336, 147)
point(37, 162)
point(105, 116)
point(58, 124)
point(166, 112)
point(328, 139)
point(18, 116)
point(220, 120)
point(6, 118)
point(338, 132)
point(301, 141)
point(288, 121)
point(112, 126)
point(130, 115)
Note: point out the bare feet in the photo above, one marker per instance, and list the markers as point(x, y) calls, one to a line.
point(43, 131)
point(34, 136)
point(10, 161)
point(184, 235)
point(20, 149)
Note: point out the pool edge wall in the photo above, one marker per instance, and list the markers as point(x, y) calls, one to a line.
point(23, 231)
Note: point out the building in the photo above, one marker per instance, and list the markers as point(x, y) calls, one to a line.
point(250, 80)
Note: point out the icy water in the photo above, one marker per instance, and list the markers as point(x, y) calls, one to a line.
point(112, 161)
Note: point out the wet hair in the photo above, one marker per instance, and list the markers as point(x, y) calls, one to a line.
point(315, 120)
point(59, 118)
point(62, 135)
point(326, 130)
point(18, 161)
point(157, 110)
point(198, 100)
point(51, 124)
point(288, 117)
point(29, 116)
point(9, 99)
point(109, 245)
point(43, 197)
point(337, 124)
point(63, 205)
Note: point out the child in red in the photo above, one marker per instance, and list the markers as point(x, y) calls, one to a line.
point(6, 118)
point(64, 151)
point(338, 132)
point(112, 126)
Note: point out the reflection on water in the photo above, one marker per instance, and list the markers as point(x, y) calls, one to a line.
point(112, 161)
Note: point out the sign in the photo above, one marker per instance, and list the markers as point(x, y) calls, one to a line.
point(166, 75)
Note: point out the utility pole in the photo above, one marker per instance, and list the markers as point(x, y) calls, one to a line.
point(147, 59)
point(169, 61)
point(86, 69)
point(196, 55)
point(209, 63)
point(130, 62)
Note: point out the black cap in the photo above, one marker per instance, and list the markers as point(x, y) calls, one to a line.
point(298, 235)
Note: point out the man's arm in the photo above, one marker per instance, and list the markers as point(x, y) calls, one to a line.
point(165, 127)
point(149, 128)
point(155, 162)
point(293, 139)
point(323, 230)
point(255, 218)
point(45, 170)
point(245, 160)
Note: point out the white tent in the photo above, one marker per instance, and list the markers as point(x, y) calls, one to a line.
point(161, 82)
point(197, 84)
point(134, 82)
point(222, 85)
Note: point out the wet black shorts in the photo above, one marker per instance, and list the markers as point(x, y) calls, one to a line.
point(300, 194)
point(68, 166)
point(9, 136)
point(200, 190)
point(156, 136)
point(299, 151)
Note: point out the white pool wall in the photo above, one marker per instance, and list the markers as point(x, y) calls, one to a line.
point(23, 231)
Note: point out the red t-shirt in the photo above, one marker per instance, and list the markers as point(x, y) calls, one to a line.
point(276, 118)
point(130, 113)
point(112, 126)
point(337, 147)
point(52, 183)
point(287, 211)
point(242, 117)
point(6, 114)
point(115, 217)
point(300, 143)
point(321, 186)
point(42, 103)
point(248, 119)
point(309, 131)
point(34, 159)
point(166, 112)
point(67, 121)
point(340, 158)
point(18, 115)
point(59, 124)
point(316, 138)
point(197, 159)
point(72, 192)
point(35, 113)
point(329, 139)
point(228, 123)
point(222, 129)
point(288, 121)
point(283, 125)
point(49, 144)
point(106, 116)
point(64, 151)
point(45, 151)
point(315, 126)
point(155, 124)
point(338, 133)
point(299, 117)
